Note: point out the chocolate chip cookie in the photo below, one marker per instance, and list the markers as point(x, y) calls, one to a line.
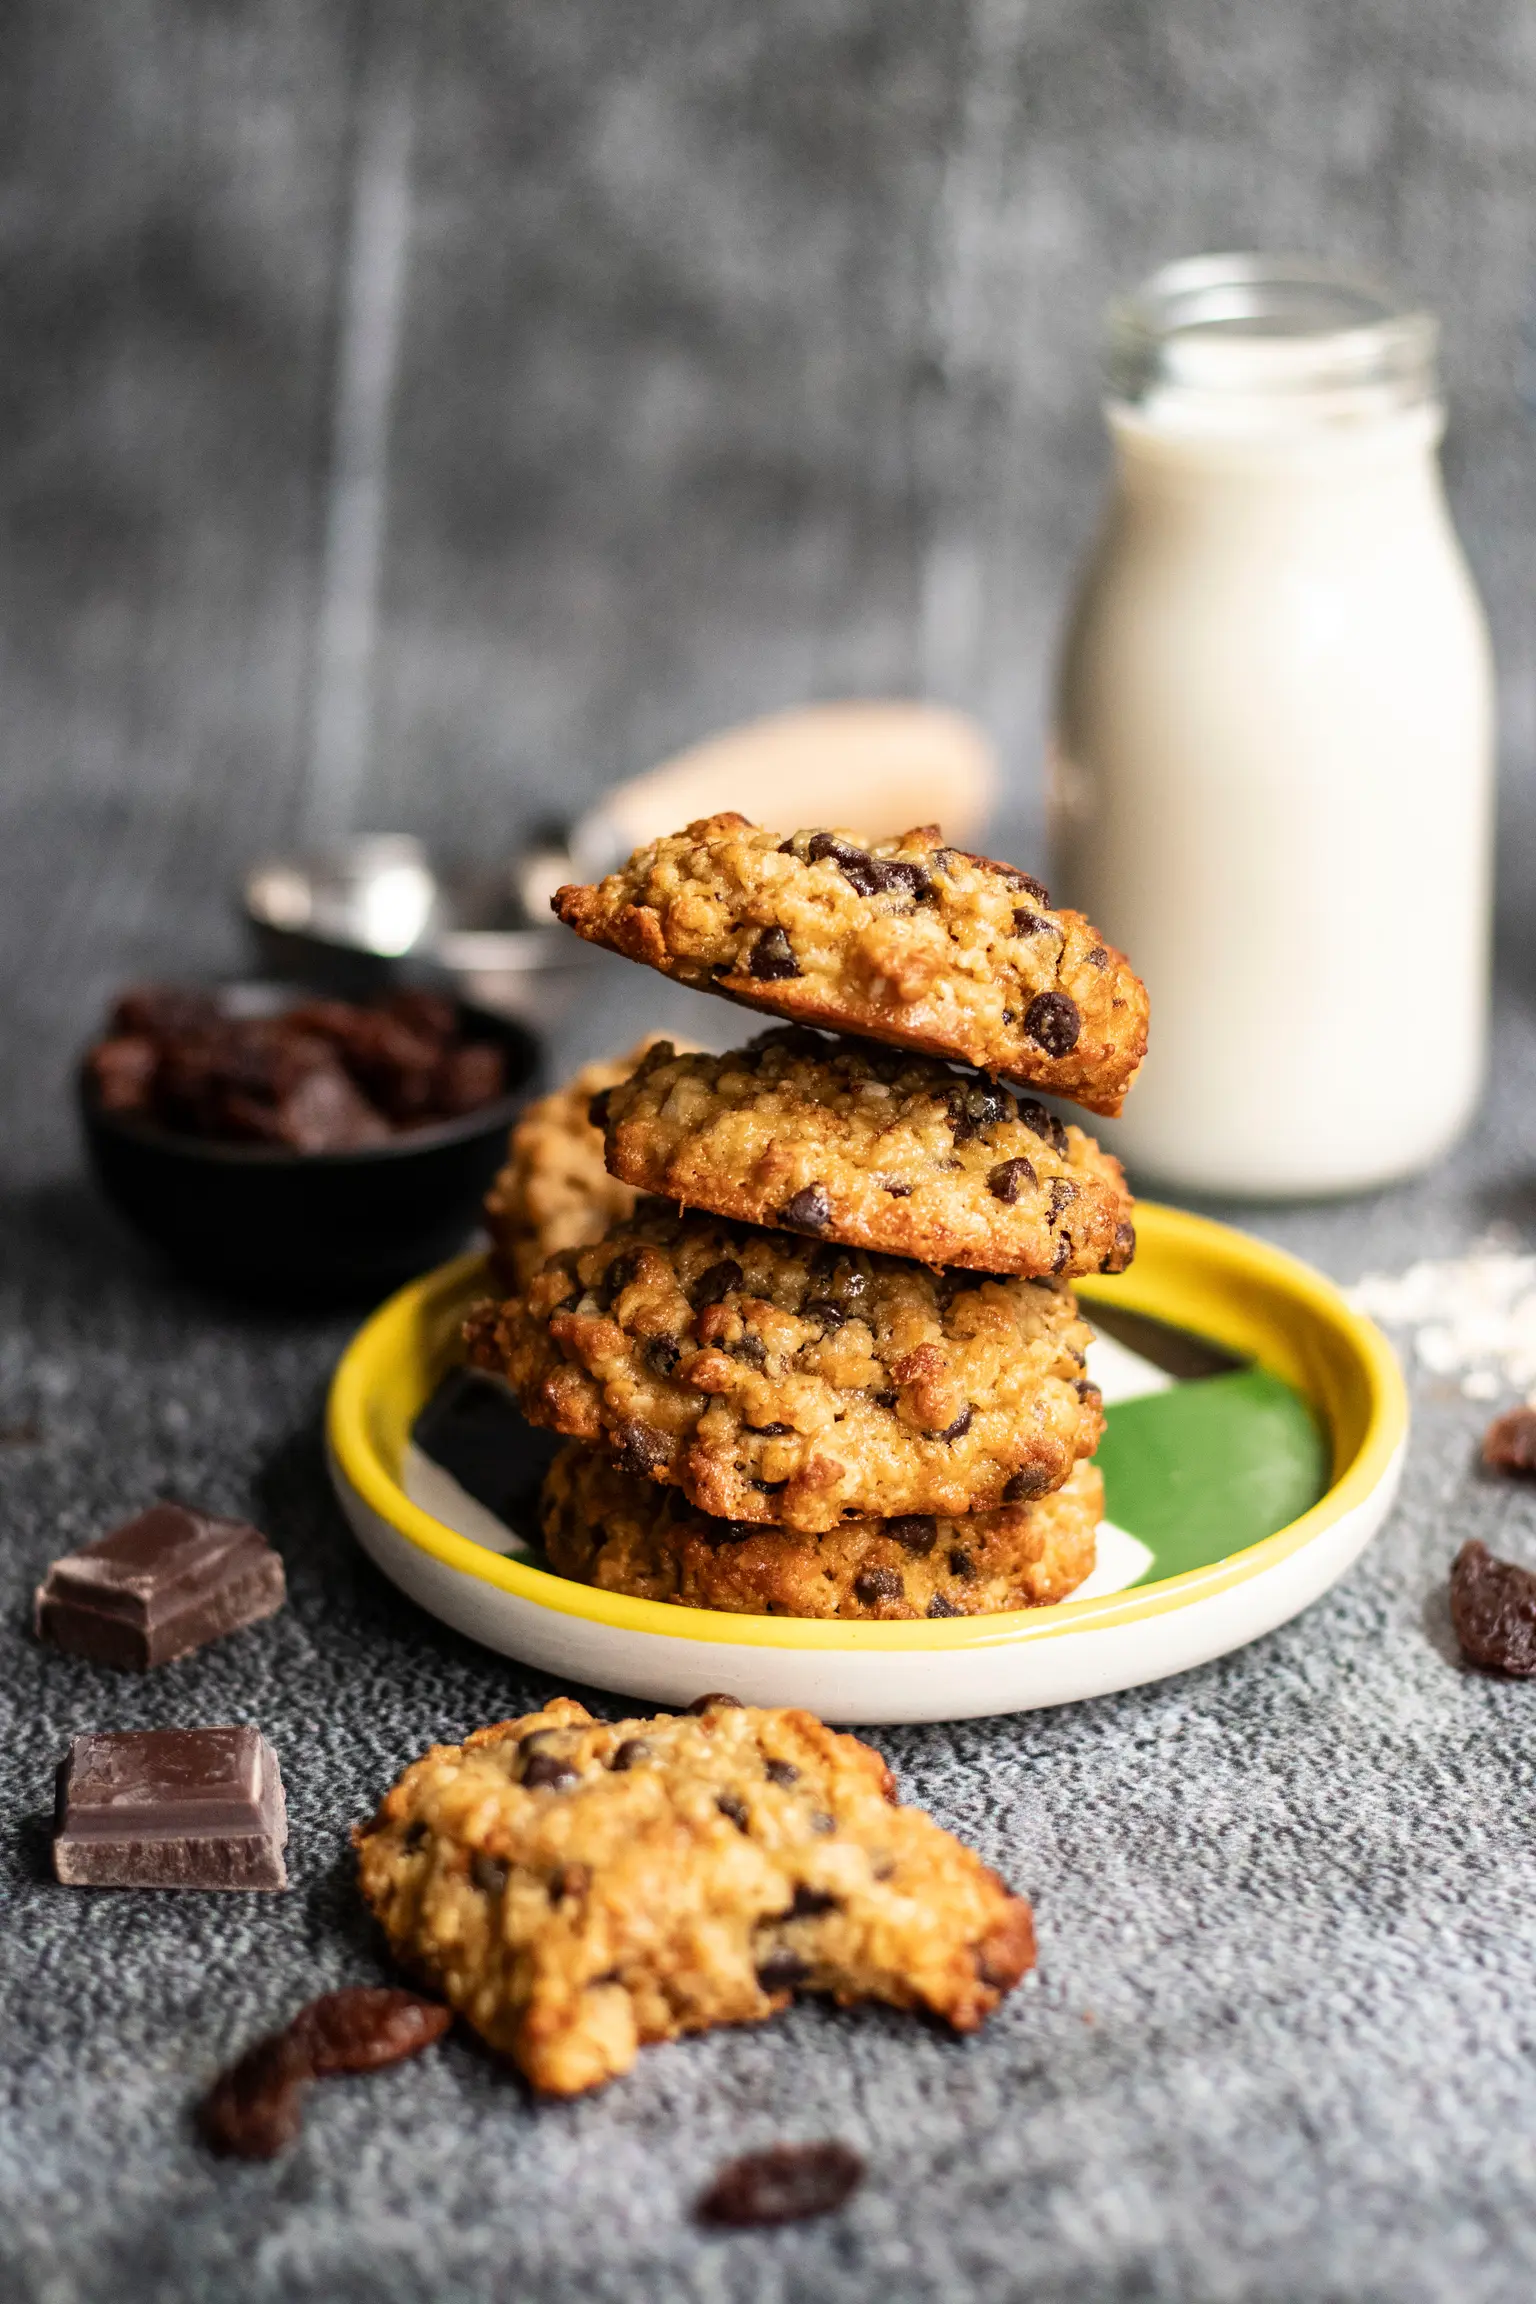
point(605, 1527)
point(554, 1191)
point(780, 1381)
point(578, 1888)
point(907, 941)
point(855, 1143)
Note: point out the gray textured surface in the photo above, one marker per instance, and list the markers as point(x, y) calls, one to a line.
point(744, 355)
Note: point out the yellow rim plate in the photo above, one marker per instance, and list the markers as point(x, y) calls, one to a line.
point(1241, 1293)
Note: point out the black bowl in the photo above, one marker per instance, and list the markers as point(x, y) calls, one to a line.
point(310, 1227)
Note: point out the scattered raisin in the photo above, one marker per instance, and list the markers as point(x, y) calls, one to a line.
point(783, 2185)
point(872, 1585)
point(823, 1309)
point(255, 2108)
point(547, 1771)
point(488, 1874)
point(939, 1606)
point(366, 2026)
point(750, 1349)
point(730, 1806)
point(1493, 1607)
point(915, 1532)
point(597, 1110)
point(781, 1772)
point(772, 960)
point(641, 1448)
point(896, 1189)
point(716, 1703)
point(960, 1426)
point(1033, 1481)
point(662, 1355)
point(1051, 1020)
point(782, 1971)
point(1009, 1178)
point(810, 1903)
point(715, 1283)
point(809, 1210)
point(1509, 1444)
point(1044, 1124)
point(630, 1754)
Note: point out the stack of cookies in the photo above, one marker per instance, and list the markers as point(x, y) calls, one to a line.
point(810, 1332)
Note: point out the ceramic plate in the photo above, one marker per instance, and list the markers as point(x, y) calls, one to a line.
point(1256, 1428)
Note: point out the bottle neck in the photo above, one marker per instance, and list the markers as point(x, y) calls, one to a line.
point(1165, 451)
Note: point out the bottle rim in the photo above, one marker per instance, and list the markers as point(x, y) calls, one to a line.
point(1255, 337)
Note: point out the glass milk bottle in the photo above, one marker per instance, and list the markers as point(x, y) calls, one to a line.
point(1271, 776)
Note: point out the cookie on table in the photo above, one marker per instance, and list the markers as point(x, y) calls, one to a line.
point(907, 941)
point(604, 1527)
point(555, 1191)
point(862, 1145)
point(578, 1888)
point(781, 1381)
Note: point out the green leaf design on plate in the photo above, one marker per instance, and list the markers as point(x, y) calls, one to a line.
point(1206, 1469)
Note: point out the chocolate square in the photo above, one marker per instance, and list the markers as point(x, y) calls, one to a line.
point(171, 1808)
point(158, 1587)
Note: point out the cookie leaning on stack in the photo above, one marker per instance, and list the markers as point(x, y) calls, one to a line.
point(840, 1326)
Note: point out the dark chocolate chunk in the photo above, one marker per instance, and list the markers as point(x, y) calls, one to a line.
point(750, 1349)
point(961, 1565)
point(630, 1754)
point(715, 1703)
point(597, 1108)
point(856, 865)
point(474, 1430)
point(662, 1354)
point(821, 1822)
point(771, 1431)
point(894, 1186)
point(1026, 1485)
point(171, 1808)
point(1509, 1444)
point(782, 1971)
point(809, 1210)
point(1087, 1390)
point(810, 1903)
point(1027, 923)
point(783, 2185)
point(823, 1309)
point(1063, 1193)
point(872, 1585)
point(730, 1806)
point(548, 1771)
point(960, 1426)
point(1063, 1255)
point(1044, 1124)
point(641, 1448)
point(975, 1107)
point(781, 1772)
point(158, 1587)
point(772, 960)
point(1493, 1607)
point(1051, 1020)
point(939, 1606)
point(916, 1532)
point(715, 1283)
point(1011, 1177)
point(1097, 958)
point(1124, 1249)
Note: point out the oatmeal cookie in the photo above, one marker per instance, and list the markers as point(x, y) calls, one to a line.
point(554, 1191)
point(577, 1888)
point(778, 1381)
point(907, 941)
point(605, 1527)
point(858, 1144)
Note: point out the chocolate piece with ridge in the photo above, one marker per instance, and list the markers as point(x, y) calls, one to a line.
point(171, 1808)
point(158, 1587)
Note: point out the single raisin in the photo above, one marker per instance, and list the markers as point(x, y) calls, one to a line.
point(782, 1971)
point(783, 2185)
point(810, 1903)
point(662, 1355)
point(1493, 1607)
point(895, 1188)
point(771, 1431)
point(1509, 1444)
point(1097, 958)
point(488, 1874)
point(872, 1585)
point(718, 1532)
point(939, 1606)
point(961, 1564)
point(621, 1270)
point(641, 1448)
point(630, 1754)
point(547, 1771)
point(809, 1210)
point(750, 1349)
point(730, 1806)
point(823, 1309)
point(885, 1399)
point(716, 1703)
point(715, 1283)
point(1044, 1124)
point(1011, 1177)
point(781, 1772)
point(915, 1532)
point(960, 1426)
point(364, 2027)
point(1051, 1020)
point(1027, 923)
point(256, 2107)
point(772, 960)
point(1033, 1481)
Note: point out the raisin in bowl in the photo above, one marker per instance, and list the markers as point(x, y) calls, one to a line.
point(300, 1149)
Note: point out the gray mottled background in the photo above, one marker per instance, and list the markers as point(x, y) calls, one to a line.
point(421, 415)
